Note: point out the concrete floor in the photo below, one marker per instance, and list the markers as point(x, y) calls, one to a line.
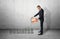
point(50, 34)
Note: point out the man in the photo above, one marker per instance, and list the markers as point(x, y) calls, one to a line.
point(41, 18)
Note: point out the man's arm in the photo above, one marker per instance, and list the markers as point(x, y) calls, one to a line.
point(36, 14)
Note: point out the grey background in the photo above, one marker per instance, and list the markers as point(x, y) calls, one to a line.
point(18, 13)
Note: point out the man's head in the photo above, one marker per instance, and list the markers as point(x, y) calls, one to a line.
point(38, 7)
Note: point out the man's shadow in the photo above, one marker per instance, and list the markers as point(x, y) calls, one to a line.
point(47, 18)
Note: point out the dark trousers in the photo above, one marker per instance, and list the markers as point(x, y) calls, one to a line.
point(41, 25)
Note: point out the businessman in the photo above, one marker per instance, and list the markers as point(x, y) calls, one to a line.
point(41, 18)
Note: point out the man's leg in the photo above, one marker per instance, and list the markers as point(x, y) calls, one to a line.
point(41, 24)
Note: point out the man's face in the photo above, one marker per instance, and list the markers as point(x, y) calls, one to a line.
point(38, 8)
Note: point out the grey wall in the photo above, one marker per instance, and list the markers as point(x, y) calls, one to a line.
point(54, 8)
point(18, 13)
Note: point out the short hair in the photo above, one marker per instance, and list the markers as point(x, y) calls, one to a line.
point(38, 6)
